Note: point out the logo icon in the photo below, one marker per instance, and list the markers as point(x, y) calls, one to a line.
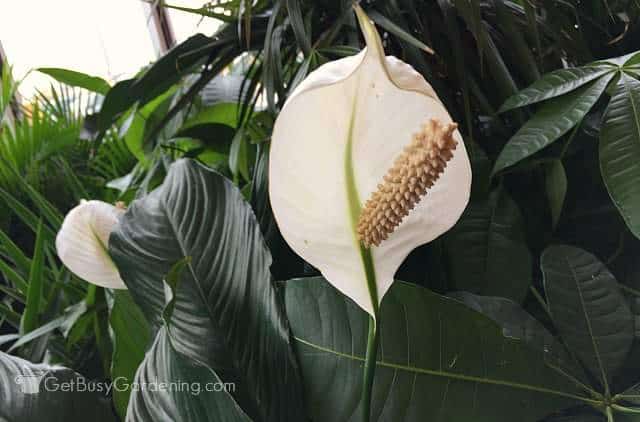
point(29, 383)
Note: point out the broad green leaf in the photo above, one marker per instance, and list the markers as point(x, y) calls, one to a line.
point(222, 113)
point(556, 189)
point(620, 150)
point(32, 309)
point(141, 121)
point(30, 392)
point(515, 322)
point(588, 309)
point(131, 338)
point(553, 120)
point(193, 392)
point(486, 250)
point(554, 84)
point(437, 360)
point(227, 314)
point(81, 80)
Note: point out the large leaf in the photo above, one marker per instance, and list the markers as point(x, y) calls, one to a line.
point(131, 337)
point(30, 392)
point(554, 84)
point(438, 360)
point(227, 314)
point(588, 308)
point(514, 320)
point(620, 150)
point(81, 80)
point(192, 391)
point(553, 120)
point(486, 250)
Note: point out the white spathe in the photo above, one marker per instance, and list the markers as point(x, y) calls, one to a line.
point(372, 105)
point(82, 243)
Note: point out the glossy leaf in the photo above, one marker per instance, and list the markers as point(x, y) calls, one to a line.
point(588, 309)
point(193, 391)
point(554, 84)
point(516, 323)
point(226, 314)
point(425, 370)
point(487, 251)
point(30, 392)
point(553, 120)
point(620, 150)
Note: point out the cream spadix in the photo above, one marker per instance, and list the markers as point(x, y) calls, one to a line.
point(365, 165)
point(82, 243)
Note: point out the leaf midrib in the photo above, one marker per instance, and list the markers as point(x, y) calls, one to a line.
point(451, 375)
point(589, 327)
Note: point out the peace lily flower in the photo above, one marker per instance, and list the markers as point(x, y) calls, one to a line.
point(82, 243)
point(366, 165)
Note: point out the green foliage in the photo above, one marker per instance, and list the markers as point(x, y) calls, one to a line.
point(545, 94)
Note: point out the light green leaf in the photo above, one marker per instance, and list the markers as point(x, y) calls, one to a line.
point(553, 120)
point(81, 80)
point(226, 313)
point(31, 311)
point(620, 150)
point(588, 309)
point(554, 84)
point(426, 370)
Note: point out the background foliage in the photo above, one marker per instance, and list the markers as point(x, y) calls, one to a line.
point(548, 99)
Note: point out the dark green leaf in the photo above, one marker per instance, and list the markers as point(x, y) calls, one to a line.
point(515, 321)
point(227, 314)
point(131, 337)
point(426, 369)
point(620, 150)
point(554, 84)
point(553, 120)
point(30, 392)
point(588, 308)
point(396, 30)
point(193, 391)
point(556, 188)
point(297, 23)
point(486, 250)
point(81, 80)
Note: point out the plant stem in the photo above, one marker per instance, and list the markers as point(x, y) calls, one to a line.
point(369, 369)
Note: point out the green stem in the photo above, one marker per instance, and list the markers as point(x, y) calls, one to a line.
point(369, 369)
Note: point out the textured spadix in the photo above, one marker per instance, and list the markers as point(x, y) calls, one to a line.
point(338, 135)
point(82, 243)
